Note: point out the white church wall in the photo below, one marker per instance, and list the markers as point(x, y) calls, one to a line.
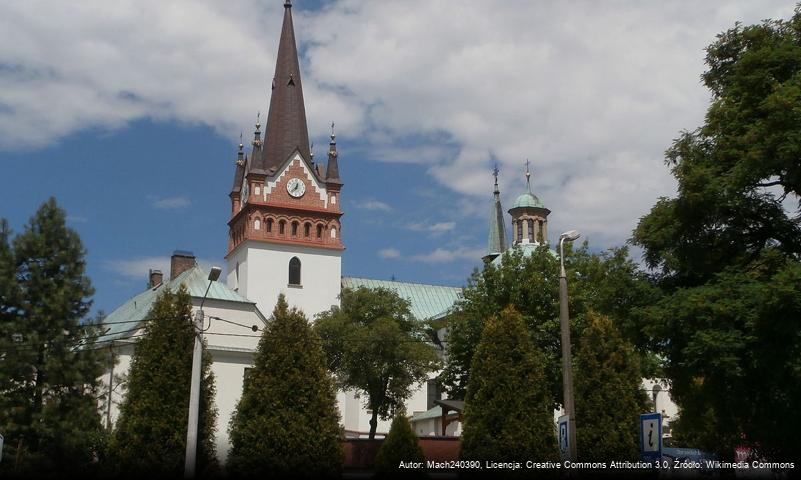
point(267, 275)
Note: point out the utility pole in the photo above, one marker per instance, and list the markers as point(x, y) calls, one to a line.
point(194, 400)
point(567, 359)
point(110, 385)
point(194, 391)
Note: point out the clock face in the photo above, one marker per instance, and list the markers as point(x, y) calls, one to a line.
point(296, 187)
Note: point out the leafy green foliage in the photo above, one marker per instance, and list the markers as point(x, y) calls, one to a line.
point(399, 446)
point(48, 375)
point(727, 250)
point(508, 409)
point(608, 283)
point(375, 345)
point(150, 435)
point(608, 393)
point(736, 366)
point(287, 423)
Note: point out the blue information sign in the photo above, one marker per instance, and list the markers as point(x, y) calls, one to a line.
point(651, 436)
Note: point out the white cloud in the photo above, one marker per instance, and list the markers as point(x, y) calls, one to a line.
point(139, 268)
point(444, 255)
point(591, 92)
point(433, 228)
point(169, 203)
point(389, 253)
point(374, 205)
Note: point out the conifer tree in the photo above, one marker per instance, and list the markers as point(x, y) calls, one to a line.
point(400, 446)
point(150, 434)
point(286, 422)
point(608, 392)
point(49, 377)
point(508, 409)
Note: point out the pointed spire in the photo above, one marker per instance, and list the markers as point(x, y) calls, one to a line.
point(332, 172)
point(257, 134)
point(240, 157)
point(286, 129)
point(528, 177)
point(496, 242)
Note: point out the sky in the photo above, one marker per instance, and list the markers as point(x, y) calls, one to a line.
point(130, 112)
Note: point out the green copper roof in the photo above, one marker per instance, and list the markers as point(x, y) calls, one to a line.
point(528, 200)
point(427, 301)
point(136, 309)
point(496, 242)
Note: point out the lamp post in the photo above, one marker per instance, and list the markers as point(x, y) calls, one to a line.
point(194, 391)
point(567, 362)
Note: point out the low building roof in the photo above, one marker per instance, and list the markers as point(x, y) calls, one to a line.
point(434, 412)
point(128, 317)
point(427, 301)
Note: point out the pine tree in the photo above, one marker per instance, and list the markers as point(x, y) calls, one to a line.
point(400, 446)
point(48, 374)
point(608, 392)
point(508, 412)
point(287, 423)
point(150, 434)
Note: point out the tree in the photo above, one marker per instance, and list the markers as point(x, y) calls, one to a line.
point(508, 409)
point(48, 373)
point(375, 345)
point(150, 434)
point(287, 422)
point(609, 395)
point(726, 250)
point(609, 283)
point(401, 445)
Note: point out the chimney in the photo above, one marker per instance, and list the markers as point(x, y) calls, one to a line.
point(180, 262)
point(155, 278)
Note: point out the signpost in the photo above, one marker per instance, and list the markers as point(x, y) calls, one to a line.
point(564, 437)
point(651, 436)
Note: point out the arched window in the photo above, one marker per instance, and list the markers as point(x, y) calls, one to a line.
point(319, 231)
point(333, 232)
point(257, 224)
point(519, 230)
point(294, 271)
point(281, 227)
point(269, 225)
point(541, 233)
point(294, 229)
point(531, 230)
point(307, 230)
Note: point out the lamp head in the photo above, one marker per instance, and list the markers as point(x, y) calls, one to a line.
point(570, 235)
point(214, 274)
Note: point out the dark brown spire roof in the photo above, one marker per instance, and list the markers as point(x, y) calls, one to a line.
point(286, 128)
point(332, 170)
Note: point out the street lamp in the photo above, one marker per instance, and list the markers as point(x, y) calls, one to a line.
point(194, 391)
point(567, 362)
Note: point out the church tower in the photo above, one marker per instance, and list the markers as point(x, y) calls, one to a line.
point(496, 243)
point(284, 231)
point(529, 217)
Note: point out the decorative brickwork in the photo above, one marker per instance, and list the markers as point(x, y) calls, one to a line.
point(311, 219)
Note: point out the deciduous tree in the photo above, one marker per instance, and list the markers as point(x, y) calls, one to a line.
point(727, 250)
point(376, 346)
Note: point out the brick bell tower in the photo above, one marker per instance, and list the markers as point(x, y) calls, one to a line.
point(284, 232)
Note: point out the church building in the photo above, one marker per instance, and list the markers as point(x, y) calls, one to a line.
point(286, 237)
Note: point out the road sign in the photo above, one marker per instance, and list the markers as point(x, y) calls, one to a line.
point(564, 437)
point(651, 436)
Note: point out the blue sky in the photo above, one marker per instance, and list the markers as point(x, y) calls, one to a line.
point(129, 113)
